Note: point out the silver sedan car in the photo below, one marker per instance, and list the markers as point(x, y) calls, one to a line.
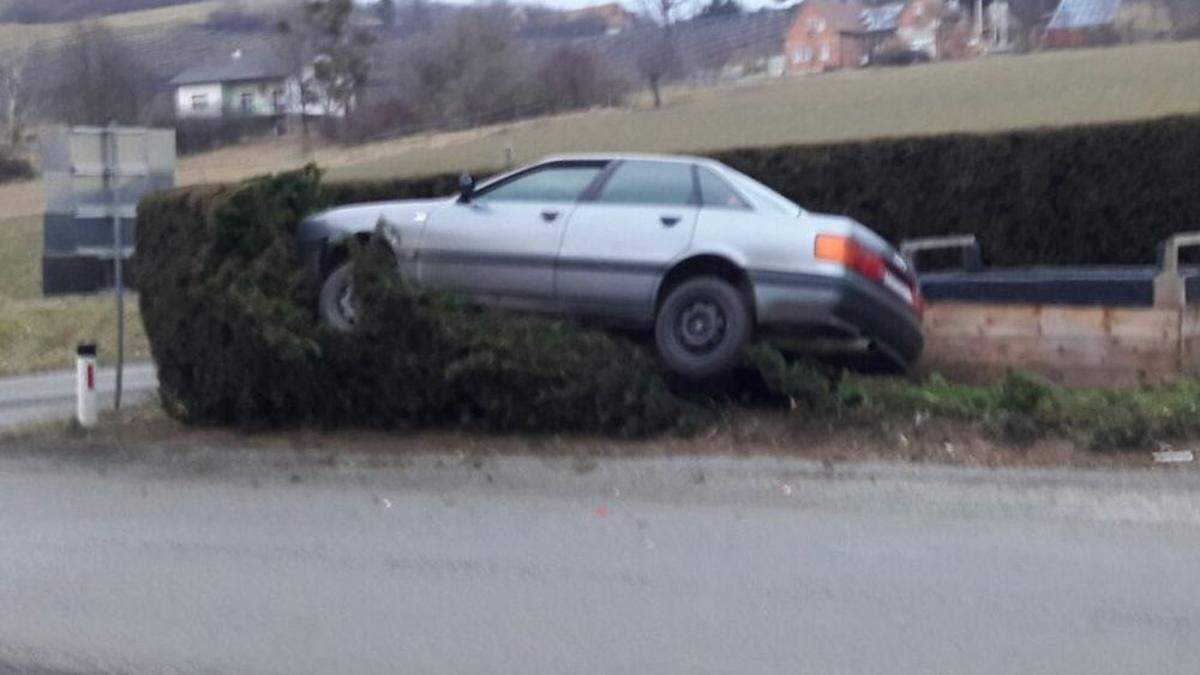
point(700, 254)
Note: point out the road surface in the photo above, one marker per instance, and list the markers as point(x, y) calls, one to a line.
point(680, 565)
point(43, 397)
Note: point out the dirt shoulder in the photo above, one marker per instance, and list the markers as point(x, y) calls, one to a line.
point(146, 434)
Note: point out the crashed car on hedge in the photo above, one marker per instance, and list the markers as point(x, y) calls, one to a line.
point(701, 255)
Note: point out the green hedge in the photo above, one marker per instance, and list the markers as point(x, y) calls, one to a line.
point(230, 314)
point(1103, 194)
point(230, 319)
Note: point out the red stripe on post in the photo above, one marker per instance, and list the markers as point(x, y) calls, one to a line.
point(91, 377)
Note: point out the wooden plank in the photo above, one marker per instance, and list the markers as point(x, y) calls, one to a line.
point(1076, 346)
point(1054, 320)
point(1189, 334)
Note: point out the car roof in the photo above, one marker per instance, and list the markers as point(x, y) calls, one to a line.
point(612, 156)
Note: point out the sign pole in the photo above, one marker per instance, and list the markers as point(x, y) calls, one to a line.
point(111, 172)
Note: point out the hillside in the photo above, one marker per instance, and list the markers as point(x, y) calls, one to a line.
point(144, 24)
point(60, 11)
point(1046, 89)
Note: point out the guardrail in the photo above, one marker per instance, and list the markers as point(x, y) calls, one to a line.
point(1170, 291)
point(972, 259)
point(1100, 343)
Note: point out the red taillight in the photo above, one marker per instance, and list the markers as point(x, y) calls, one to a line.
point(849, 253)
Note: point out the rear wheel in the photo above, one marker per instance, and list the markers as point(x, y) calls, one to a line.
point(337, 306)
point(702, 326)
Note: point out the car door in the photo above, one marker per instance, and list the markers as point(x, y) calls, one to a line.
point(501, 245)
point(620, 240)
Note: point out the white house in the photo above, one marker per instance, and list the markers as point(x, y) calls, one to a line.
point(241, 85)
point(245, 85)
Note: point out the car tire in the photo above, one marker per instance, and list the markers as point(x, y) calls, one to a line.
point(336, 302)
point(702, 326)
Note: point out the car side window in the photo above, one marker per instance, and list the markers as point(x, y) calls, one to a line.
point(647, 182)
point(563, 183)
point(714, 191)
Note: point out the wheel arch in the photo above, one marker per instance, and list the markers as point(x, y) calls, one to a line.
point(335, 251)
point(707, 264)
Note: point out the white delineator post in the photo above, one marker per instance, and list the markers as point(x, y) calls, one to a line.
point(85, 385)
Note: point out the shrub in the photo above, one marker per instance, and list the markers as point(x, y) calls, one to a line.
point(228, 313)
point(373, 121)
point(803, 382)
point(1019, 411)
point(1121, 427)
point(201, 135)
point(14, 168)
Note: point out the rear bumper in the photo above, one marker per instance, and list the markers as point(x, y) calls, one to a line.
point(847, 305)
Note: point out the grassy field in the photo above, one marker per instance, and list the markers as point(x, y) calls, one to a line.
point(1046, 89)
point(22, 36)
point(39, 333)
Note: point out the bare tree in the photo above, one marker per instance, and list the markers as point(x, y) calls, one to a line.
point(415, 16)
point(100, 79)
point(658, 57)
point(14, 96)
point(471, 69)
point(386, 11)
point(326, 55)
point(574, 77)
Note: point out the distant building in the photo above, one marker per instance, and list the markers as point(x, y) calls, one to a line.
point(1088, 22)
point(241, 85)
point(1081, 22)
point(918, 27)
point(828, 35)
point(616, 18)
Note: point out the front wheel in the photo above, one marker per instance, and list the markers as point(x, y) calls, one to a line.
point(337, 305)
point(701, 327)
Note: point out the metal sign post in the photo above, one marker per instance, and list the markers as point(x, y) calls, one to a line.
point(111, 175)
point(94, 178)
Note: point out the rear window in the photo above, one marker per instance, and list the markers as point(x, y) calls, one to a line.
point(642, 182)
point(714, 191)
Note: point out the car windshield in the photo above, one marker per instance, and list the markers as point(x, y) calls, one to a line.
point(763, 195)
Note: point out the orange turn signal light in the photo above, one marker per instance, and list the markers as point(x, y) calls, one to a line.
point(850, 254)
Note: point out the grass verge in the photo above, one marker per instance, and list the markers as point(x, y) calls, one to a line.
point(39, 333)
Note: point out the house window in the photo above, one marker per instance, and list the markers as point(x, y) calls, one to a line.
point(199, 102)
point(247, 103)
point(825, 52)
point(816, 24)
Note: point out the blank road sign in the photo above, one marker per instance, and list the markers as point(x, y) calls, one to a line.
point(91, 175)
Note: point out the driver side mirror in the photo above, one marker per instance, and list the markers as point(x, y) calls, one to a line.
point(466, 188)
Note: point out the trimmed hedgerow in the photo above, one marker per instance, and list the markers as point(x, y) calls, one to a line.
point(1097, 194)
point(228, 312)
point(1088, 194)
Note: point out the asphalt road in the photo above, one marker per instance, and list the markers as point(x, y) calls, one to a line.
point(43, 397)
point(685, 565)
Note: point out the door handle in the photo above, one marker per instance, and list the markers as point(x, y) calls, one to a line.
point(549, 216)
point(669, 221)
